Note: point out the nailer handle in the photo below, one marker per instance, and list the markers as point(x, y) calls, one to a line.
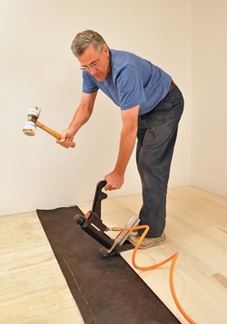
point(51, 131)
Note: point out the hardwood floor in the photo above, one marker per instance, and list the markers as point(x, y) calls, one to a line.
point(196, 229)
point(32, 287)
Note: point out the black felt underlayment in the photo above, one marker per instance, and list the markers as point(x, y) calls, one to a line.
point(106, 290)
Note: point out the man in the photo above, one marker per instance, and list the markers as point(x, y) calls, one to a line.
point(151, 106)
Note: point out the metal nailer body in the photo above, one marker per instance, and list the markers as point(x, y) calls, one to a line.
point(93, 225)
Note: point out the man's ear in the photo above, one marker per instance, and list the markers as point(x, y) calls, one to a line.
point(105, 49)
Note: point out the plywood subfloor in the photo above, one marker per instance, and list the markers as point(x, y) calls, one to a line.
point(197, 230)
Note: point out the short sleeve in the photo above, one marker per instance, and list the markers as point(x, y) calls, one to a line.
point(130, 88)
point(88, 85)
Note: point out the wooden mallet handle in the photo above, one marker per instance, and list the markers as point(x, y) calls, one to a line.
point(51, 131)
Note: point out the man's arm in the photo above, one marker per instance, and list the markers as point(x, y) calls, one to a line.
point(81, 116)
point(115, 179)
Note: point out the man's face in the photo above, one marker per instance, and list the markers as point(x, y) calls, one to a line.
point(96, 63)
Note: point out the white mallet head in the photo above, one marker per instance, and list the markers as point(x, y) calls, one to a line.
point(30, 125)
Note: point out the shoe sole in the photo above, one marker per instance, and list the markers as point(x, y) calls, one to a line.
point(146, 246)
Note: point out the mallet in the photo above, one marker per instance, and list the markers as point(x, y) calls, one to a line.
point(32, 122)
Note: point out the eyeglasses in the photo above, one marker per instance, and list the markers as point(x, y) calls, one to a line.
point(91, 66)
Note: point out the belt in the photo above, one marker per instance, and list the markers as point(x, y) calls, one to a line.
point(172, 85)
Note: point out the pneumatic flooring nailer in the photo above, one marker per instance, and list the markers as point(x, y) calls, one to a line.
point(92, 224)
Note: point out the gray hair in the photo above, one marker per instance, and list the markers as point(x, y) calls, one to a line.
point(84, 39)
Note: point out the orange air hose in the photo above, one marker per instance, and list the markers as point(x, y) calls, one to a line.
point(172, 258)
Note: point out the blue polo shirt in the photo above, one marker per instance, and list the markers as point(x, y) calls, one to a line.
point(132, 81)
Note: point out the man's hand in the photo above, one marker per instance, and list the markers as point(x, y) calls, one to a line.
point(114, 181)
point(81, 116)
point(66, 139)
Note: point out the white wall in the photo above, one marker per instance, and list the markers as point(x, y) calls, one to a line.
point(37, 68)
point(209, 84)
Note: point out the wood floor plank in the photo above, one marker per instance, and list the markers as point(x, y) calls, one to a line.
point(32, 287)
